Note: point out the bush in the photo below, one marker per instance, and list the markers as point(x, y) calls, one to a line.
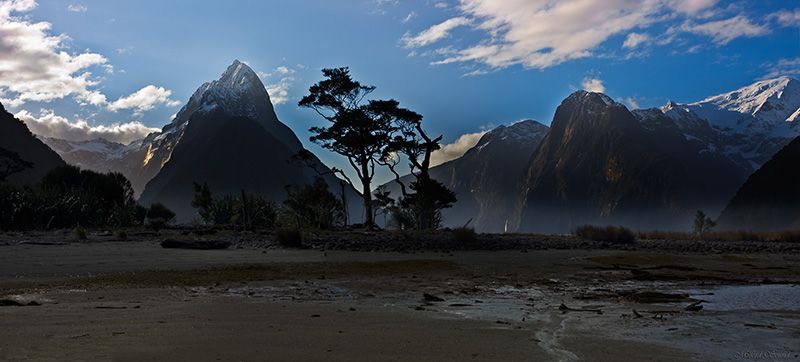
point(289, 238)
point(612, 234)
point(158, 216)
point(67, 197)
point(312, 206)
point(247, 211)
point(464, 236)
point(79, 233)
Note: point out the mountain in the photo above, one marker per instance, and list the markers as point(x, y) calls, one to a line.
point(601, 164)
point(20, 149)
point(486, 178)
point(770, 199)
point(748, 125)
point(229, 136)
point(101, 155)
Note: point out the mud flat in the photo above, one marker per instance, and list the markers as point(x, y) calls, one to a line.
point(134, 300)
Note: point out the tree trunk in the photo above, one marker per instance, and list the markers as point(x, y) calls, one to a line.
point(369, 219)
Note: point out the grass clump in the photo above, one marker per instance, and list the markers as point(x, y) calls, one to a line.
point(289, 238)
point(611, 234)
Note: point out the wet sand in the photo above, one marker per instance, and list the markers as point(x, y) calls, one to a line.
point(136, 301)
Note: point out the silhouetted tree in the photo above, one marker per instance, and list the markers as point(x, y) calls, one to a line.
point(359, 130)
point(429, 196)
point(702, 223)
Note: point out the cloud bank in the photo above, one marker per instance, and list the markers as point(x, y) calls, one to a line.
point(451, 151)
point(48, 124)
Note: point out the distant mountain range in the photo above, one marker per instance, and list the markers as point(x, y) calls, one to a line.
point(601, 163)
point(598, 162)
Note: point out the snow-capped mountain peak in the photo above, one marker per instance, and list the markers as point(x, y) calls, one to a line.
point(770, 101)
point(752, 122)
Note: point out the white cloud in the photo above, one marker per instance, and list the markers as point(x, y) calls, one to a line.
point(144, 99)
point(724, 31)
point(454, 150)
point(441, 5)
point(48, 124)
point(434, 33)
point(282, 70)
point(692, 6)
point(279, 92)
point(35, 65)
point(125, 50)
point(783, 67)
point(632, 103)
point(410, 16)
point(593, 85)
point(787, 17)
point(77, 8)
point(544, 33)
point(633, 40)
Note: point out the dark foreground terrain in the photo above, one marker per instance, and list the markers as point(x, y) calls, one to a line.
point(363, 296)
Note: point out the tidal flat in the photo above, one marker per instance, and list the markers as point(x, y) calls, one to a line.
point(134, 300)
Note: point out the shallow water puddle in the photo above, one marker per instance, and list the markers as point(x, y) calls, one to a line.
point(766, 297)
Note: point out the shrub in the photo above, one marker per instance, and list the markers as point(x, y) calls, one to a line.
point(79, 233)
point(612, 234)
point(67, 197)
point(158, 216)
point(464, 235)
point(312, 206)
point(248, 211)
point(289, 238)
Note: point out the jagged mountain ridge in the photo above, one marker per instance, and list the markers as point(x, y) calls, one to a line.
point(749, 125)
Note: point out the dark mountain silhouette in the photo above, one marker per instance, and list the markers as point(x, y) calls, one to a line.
point(600, 165)
point(487, 177)
point(21, 150)
point(770, 199)
point(229, 136)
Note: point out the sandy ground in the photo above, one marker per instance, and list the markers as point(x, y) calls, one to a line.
point(135, 301)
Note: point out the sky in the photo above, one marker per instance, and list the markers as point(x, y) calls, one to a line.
point(121, 69)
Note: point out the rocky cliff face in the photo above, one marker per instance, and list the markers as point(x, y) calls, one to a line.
point(600, 165)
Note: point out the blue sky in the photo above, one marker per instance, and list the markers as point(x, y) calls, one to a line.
point(465, 65)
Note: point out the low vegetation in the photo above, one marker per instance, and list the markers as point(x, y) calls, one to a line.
point(772, 236)
point(68, 197)
point(611, 234)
